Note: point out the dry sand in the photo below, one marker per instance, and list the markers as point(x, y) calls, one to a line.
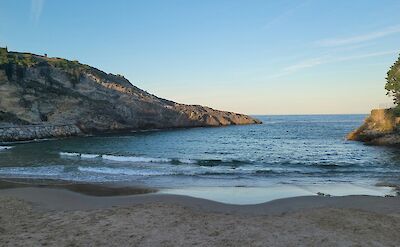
point(57, 217)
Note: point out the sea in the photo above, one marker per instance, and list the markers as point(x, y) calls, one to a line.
point(293, 155)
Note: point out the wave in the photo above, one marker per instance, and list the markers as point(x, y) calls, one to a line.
point(218, 174)
point(135, 159)
point(184, 161)
point(70, 154)
point(89, 173)
point(224, 162)
point(44, 171)
point(89, 156)
point(331, 166)
point(84, 156)
point(142, 159)
point(117, 158)
point(122, 171)
point(265, 171)
point(5, 147)
point(246, 166)
point(182, 171)
point(148, 172)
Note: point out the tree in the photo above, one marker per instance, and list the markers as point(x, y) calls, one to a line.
point(393, 82)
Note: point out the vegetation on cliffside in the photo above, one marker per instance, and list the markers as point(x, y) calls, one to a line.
point(16, 63)
point(393, 83)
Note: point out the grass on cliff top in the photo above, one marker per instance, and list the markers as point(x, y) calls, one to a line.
point(28, 60)
point(21, 59)
point(14, 62)
point(17, 63)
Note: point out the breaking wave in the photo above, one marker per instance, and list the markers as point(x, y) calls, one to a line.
point(142, 159)
point(5, 147)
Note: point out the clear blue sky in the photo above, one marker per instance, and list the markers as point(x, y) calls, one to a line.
point(255, 57)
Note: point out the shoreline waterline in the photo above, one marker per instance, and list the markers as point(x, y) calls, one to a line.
point(237, 195)
point(258, 195)
point(65, 200)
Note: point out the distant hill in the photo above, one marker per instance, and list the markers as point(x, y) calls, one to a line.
point(38, 90)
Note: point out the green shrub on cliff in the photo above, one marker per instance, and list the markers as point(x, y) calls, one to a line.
point(14, 63)
point(3, 55)
point(18, 59)
point(393, 82)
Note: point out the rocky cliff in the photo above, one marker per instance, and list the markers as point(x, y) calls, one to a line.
point(42, 92)
point(382, 127)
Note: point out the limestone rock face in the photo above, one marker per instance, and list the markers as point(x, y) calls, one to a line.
point(380, 128)
point(30, 132)
point(36, 90)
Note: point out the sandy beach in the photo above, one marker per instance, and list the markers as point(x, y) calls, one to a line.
point(49, 216)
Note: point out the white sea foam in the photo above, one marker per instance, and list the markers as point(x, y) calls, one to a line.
point(90, 156)
point(70, 154)
point(5, 148)
point(141, 159)
point(123, 171)
point(135, 159)
point(119, 158)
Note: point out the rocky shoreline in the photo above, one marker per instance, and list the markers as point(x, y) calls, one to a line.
point(381, 127)
point(40, 131)
point(23, 133)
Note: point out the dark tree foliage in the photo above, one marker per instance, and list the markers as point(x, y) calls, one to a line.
point(393, 82)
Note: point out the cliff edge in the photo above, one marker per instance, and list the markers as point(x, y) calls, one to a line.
point(52, 97)
point(381, 127)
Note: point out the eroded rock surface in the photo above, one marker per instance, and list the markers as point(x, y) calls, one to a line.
point(36, 90)
point(381, 127)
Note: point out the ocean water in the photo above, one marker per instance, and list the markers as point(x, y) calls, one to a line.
point(307, 152)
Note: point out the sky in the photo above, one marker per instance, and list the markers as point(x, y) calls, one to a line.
point(253, 57)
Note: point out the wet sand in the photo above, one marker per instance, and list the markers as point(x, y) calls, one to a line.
point(92, 189)
point(34, 216)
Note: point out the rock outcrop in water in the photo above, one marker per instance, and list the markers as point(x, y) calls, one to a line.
point(382, 127)
point(55, 97)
